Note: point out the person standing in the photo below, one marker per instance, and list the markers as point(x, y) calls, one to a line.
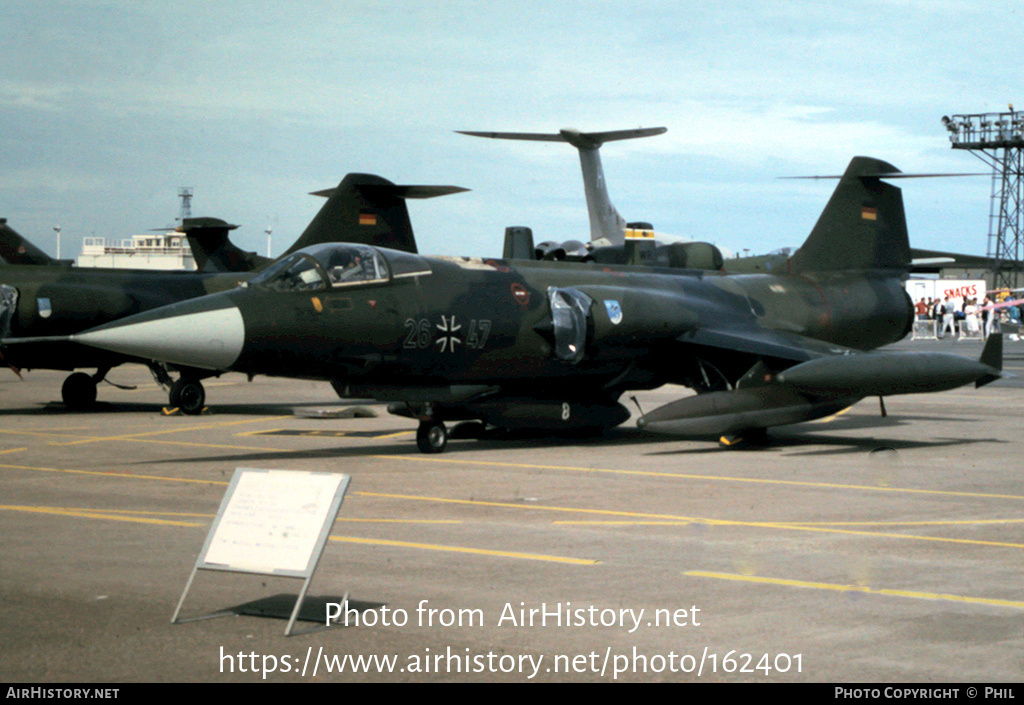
point(989, 316)
point(947, 313)
point(970, 326)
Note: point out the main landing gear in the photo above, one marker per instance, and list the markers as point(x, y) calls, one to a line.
point(79, 390)
point(432, 436)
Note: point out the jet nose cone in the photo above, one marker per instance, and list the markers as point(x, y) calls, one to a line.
point(207, 333)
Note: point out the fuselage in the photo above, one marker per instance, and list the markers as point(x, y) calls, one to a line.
point(47, 301)
point(420, 323)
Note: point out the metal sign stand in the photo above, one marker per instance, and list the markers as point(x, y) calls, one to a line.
point(271, 522)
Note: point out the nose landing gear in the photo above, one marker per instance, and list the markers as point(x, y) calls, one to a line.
point(188, 395)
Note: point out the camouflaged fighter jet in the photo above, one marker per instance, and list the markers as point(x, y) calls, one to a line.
point(553, 345)
point(41, 300)
point(14, 249)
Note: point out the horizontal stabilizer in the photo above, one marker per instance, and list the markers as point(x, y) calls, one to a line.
point(888, 175)
point(198, 225)
point(381, 190)
point(580, 140)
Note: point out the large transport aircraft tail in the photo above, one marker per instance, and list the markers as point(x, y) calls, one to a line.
point(605, 221)
point(367, 209)
point(862, 227)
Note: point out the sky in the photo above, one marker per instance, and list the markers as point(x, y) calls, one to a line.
point(107, 108)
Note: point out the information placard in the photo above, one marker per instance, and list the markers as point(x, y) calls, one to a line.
point(272, 522)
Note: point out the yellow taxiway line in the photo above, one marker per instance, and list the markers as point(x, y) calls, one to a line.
point(132, 517)
point(838, 587)
point(703, 478)
point(464, 549)
point(668, 519)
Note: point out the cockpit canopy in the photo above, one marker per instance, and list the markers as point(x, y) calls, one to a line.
point(338, 264)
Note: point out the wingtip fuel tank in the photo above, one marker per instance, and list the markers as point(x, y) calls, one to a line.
point(887, 373)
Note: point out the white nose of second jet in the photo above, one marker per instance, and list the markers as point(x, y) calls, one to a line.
point(180, 334)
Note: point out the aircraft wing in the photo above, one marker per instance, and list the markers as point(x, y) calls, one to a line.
point(764, 343)
point(825, 379)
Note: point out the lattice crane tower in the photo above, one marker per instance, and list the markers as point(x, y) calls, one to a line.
point(185, 194)
point(998, 140)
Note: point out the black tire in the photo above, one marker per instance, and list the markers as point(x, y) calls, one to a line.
point(79, 391)
point(189, 396)
point(432, 437)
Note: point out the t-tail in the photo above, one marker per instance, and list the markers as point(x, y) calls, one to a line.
point(213, 250)
point(863, 227)
point(14, 249)
point(367, 209)
point(605, 221)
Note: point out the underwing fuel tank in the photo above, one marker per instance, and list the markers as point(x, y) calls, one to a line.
point(722, 413)
point(550, 415)
point(522, 412)
point(821, 387)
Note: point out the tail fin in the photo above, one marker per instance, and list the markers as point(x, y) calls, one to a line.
point(367, 209)
point(213, 251)
point(518, 243)
point(14, 249)
point(992, 355)
point(862, 227)
point(605, 221)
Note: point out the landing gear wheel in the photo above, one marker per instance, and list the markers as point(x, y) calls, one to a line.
point(79, 391)
point(188, 395)
point(432, 437)
point(751, 438)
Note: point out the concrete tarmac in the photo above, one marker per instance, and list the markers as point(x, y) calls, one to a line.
point(854, 549)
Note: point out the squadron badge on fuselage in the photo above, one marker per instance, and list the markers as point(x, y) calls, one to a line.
point(614, 311)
